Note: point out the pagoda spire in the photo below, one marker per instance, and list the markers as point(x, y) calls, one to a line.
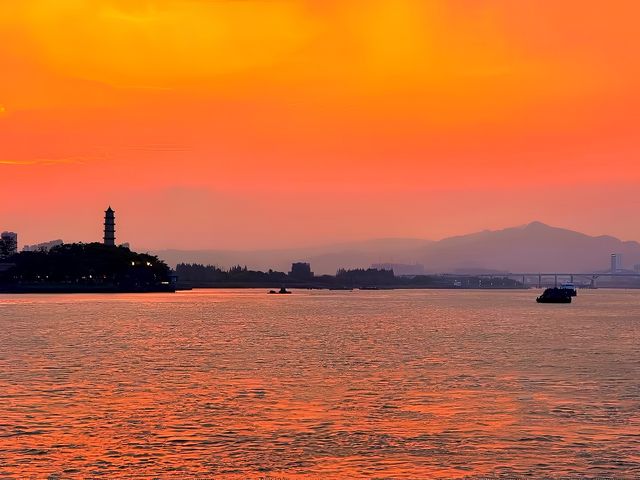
point(110, 227)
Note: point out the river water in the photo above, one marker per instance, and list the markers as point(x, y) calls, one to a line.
point(318, 384)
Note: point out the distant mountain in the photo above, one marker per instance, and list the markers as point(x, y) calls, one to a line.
point(532, 248)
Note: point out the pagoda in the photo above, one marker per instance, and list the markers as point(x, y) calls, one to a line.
point(110, 227)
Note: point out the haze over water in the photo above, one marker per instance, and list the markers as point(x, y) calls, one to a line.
point(387, 384)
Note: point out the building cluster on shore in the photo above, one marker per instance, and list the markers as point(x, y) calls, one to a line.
point(56, 267)
point(618, 267)
point(10, 239)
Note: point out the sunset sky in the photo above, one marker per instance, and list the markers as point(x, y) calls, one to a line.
point(255, 123)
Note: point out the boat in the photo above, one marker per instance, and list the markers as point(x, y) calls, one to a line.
point(554, 295)
point(280, 292)
point(570, 288)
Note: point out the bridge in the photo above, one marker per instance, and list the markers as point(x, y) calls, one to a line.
point(591, 277)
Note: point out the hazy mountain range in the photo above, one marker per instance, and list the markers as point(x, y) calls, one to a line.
point(532, 248)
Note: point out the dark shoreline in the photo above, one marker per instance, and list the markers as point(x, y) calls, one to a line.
point(57, 289)
point(240, 286)
point(63, 289)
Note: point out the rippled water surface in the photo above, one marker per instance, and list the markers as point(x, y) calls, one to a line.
point(376, 384)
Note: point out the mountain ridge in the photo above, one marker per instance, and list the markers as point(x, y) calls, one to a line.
point(531, 247)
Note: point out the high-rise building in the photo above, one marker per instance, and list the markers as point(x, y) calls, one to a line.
point(12, 240)
point(301, 270)
point(616, 262)
point(110, 227)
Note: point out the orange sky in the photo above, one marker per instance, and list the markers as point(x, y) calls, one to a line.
point(256, 123)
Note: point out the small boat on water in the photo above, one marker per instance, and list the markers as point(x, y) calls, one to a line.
point(554, 295)
point(280, 292)
point(570, 288)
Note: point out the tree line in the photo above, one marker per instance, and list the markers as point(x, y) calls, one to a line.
point(196, 274)
point(85, 263)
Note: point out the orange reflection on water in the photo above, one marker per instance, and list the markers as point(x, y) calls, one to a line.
point(318, 385)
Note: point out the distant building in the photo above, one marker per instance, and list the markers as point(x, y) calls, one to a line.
point(301, 270)
point(616, 262)
point(12, 239)
point(401, 268)
point(110, 227)
point(636, 267)
point(42, 247)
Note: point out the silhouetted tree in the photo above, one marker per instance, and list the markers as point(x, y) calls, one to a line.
point(87, 263)
point(370, 276)
point(196, 273)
